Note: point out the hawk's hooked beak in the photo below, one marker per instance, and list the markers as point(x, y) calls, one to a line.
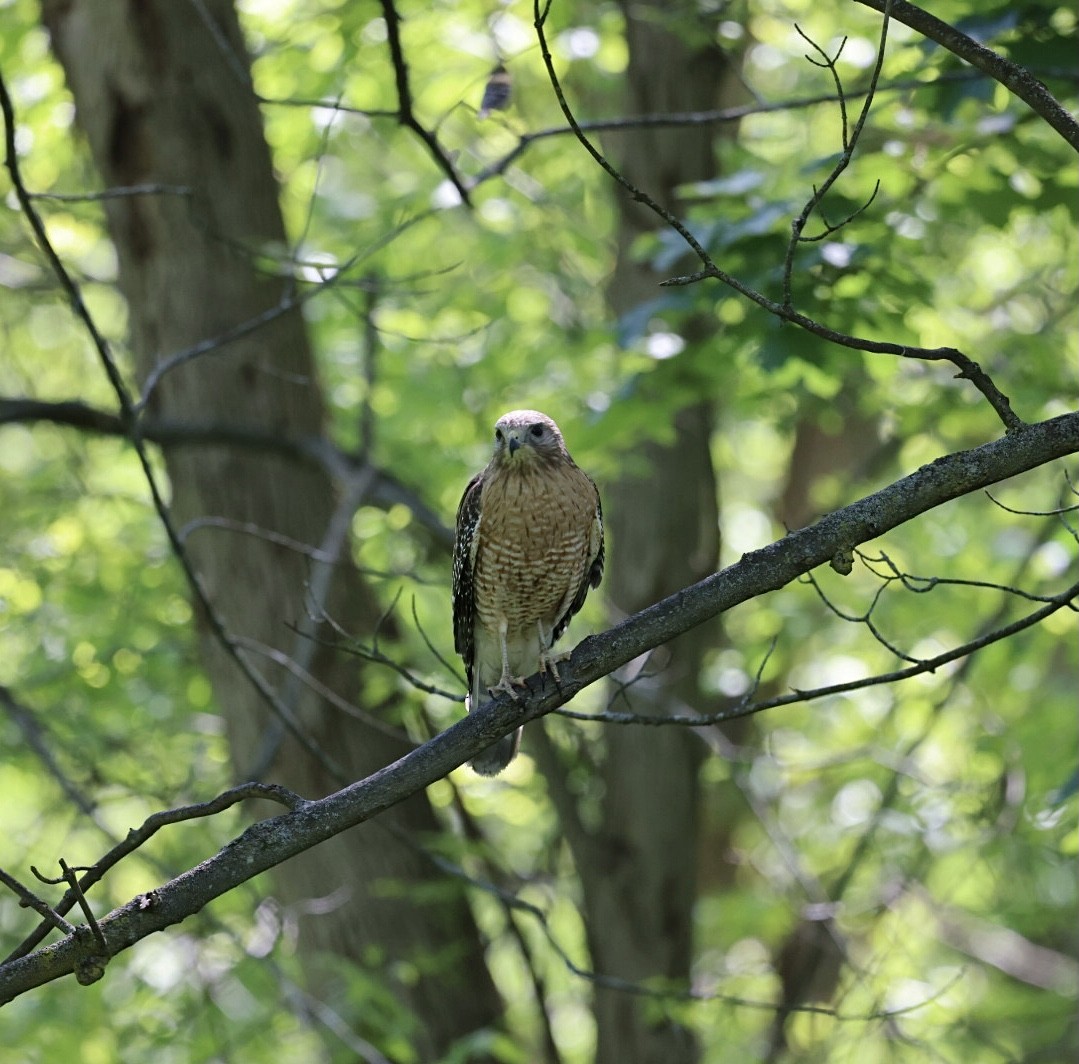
point(513, 442)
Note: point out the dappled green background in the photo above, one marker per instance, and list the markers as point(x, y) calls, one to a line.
point(945, 800)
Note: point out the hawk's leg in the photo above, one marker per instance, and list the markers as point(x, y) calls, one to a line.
point(507, 681)
point(549, 658)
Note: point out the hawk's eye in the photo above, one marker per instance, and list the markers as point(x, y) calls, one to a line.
point(498, 435)
point(536, 430)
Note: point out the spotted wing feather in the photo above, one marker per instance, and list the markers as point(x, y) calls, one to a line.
point(593, 570)
point(464, 561)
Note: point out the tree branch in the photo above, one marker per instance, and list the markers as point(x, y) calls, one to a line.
point(850, 143)
point(746, 707)
point(1016, 79)
point(967, 367)
point(129, 414)
point(386, 490)
point(406, 116)
point(269, 842)
point(136, 837)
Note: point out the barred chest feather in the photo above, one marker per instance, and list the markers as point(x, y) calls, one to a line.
point(533, 546)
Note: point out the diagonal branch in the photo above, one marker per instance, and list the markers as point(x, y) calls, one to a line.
point(747, 706)
point(129, 412)
point(850, 143)
point(406, 115)
point(269, 842)
point(967, 367)
point(136, 837)
point(385, 491)
point(1016, 79)
point(30, 900)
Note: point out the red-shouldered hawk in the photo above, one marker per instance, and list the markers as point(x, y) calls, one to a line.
point(528, 545)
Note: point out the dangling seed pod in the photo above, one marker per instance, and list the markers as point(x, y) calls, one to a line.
point(497, 92)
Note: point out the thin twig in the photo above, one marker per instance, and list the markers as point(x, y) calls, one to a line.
point(71, 878)
point(921, 585)
point(386, 490)
point(116, 192)
point(67, 283)
point(831, 228)
point(288, 303)
point(370, 351)
point(1058, 512)
point(406, 115)
point(34, 736)
point(744, 708)
point(828, 62)
point(1016, 79)
point(318, 588)
point(312, 682)
point(850, 143)
point(150, 826)
point(967, 367)
point(129, 418)
point(435, 652)
point(30, 900)
point(348, 644)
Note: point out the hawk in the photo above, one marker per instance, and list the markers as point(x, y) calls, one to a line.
point(528, 546)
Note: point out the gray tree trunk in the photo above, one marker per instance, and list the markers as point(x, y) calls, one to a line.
point(165, 97)
point(663, 535)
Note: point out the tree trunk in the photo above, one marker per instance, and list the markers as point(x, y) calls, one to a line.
point(663, 535)
point(164, 96)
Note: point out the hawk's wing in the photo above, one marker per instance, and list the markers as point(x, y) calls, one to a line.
point(464, 562)
point(593, 572)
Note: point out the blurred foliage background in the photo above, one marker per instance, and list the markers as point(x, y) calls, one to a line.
point(930, 825)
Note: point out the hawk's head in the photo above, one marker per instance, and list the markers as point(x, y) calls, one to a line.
point(522, 436)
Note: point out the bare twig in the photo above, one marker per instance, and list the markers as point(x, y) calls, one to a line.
point(745, 707)
point(129, 422)
point(312, 682)
point(1016, 79)
point(236, 63)
point(850, 143)
point(406, 116)
point(348, 644)
point(32, 733)
point(30, 900)
point(386, 489)
point(91, 921)
point(116, 192)
point(370, 350)
point(288, 303)
point(435, 652)
point(831, 228)
point(319, 586)
point(638, 195)
point(1058, 512)
point(828, 62)
point(865, 618)
point(137, 836)
point(323, 104)
point(249, 528)
point(67, 283)
point(921, 585)
point(967, 367)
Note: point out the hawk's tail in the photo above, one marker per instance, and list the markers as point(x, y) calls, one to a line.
point(495, 758)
